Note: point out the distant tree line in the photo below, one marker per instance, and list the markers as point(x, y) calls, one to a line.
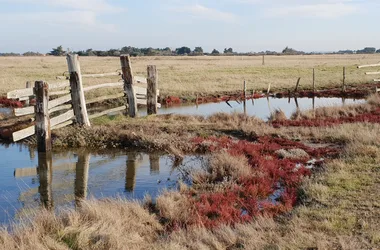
point(197, 51)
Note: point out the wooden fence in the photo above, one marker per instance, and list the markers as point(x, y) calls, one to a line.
point(69, 99)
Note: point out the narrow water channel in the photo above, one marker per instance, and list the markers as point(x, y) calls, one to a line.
point(261, 108)
point(29, 180)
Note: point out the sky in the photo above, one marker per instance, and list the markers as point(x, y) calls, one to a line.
point(244, 25)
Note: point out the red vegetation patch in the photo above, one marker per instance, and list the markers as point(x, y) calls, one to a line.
point(170, 100)
point(371, 117)
point(270, 190)
point(10, 103)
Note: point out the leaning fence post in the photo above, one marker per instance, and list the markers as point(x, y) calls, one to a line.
point(126, 68)
point(297, 85)
point(77, 93)
point(344, 80)
point(151, 96)
point(43, 133)
point(313, 80)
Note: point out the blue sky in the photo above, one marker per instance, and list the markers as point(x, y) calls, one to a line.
point(245, 25)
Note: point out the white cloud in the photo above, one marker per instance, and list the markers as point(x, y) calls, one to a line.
point(200, 11)
point(81, 14)
point(334, 10)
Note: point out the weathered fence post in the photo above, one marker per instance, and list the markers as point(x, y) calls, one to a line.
point(263, 59)
point(245, 90)
point(313, 80)
point(42, 127)
point(297, 85)
point(77, 93)
point(152, 86)
point(28, 85)
point(268, 91)
point(344, 80)
point(126, 68)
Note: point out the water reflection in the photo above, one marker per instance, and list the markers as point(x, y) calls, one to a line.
point(81, 177)
point(67, 178)
point(130, 180)
point(45, 176)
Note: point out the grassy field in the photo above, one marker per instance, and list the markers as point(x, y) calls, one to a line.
point(187, 76)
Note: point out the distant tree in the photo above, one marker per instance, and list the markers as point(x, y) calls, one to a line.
point(31, 53)
point(58, 51)
point(290, 51)
point(183, 50)
point(378, 51)
point(228, 51)
point(367, 50)
point(215, 52)
point(198, 51)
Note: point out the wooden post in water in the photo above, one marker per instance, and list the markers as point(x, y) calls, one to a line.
point(81, 177)
point(344, 80)
point(126, 68)
point(313, 81)
point(297, 85)
point(152, 86)
point(77, 93)
point(268, 88)
point(45, 175)
point(130, 180)
point(245, 90)
point(42, 127)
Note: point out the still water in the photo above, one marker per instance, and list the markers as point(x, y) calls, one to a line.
point(261, 108)
point(29, 180)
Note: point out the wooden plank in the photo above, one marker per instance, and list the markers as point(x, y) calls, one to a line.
point(369, 65)
point(63, 92)
point(59, 101)
point(41, 109)
point(143, 103)
point(24, 133)
point(372, 73)
point(59, 85)
point(62, 118)
point(77, 92)
point(104, 98)
point(52, 104)
point(107, 112)
point(62, 125)
point(152, 86)
point(27, 98)
point(59, 108)
point(101, 75)
point(103, 85)
point(62, 77)
point(19, 93)
point(126, 68)
point(23, 111)
point(140, 79)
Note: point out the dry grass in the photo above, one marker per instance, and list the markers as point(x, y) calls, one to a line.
point(184, 76)
point(339, 210)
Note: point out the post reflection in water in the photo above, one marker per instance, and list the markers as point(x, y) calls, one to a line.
point(81, 177)
point(45, 175)
point(130, 180)
point(154, 164)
